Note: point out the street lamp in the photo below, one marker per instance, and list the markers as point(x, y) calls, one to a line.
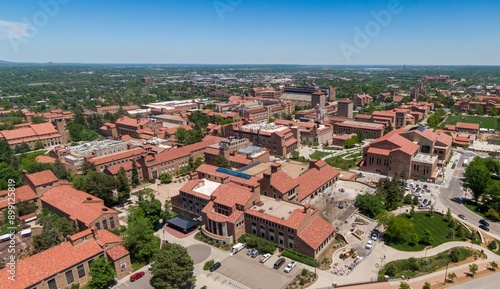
point(446, 273)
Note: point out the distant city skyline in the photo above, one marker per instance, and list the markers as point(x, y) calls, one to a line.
point(309, 32)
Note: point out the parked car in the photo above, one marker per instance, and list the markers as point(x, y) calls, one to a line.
point(369, 244)
point(462, 216)
point(484, 228)
point(265, 257)
point(484, 222)
point(374, 236)
point(215, 266)
point(279, 263)
point(341, 206)
point(290, 266)
point(136, 275)
point(250, 251)
point(255, 253)
point(425, 201)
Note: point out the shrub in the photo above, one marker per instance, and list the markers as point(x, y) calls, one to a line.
point(208, 264)
point(492, 245)
point(427, 285)
point(304, 272)
point(302, 282)
point(294, 255)
point(391, 270)
point(262, 245)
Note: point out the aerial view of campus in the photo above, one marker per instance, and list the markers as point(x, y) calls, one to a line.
point(249, 144)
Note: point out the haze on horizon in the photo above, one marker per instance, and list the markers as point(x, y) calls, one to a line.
point(315, 32)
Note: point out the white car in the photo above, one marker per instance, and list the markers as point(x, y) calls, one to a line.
point(265, 257)
point(369, 244)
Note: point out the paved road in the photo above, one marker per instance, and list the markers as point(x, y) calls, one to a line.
point(488, 282)
point(450, 195)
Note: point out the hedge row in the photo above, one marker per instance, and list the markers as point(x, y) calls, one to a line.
point(294, 255)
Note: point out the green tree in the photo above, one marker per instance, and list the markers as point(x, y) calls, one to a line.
point(22, 148)
point(404, 285)
point(181, 135)
point(477, 177)
point(479, 109)
point(140, 240)
point(391, 270)
point(295, 155)
point(122, 185)
point(493, 265)
point(60, 170)
point(38, 145)
point(174, 268)
point(414, 238)
point(47, 239)
point(369, 205)
point(102, 274)
point(449, 217)
point(9, 173)
point(361, 135)
point(87, 167)
point(37, 119)
point(397, 226)
point(97, 184)
point(473, 268)
point(427, 285)
point(135, 174)
point(6, 153)
point(152, 208)
point(427, 237)
point(222, 162)
point(165, 178)
point(494, 111)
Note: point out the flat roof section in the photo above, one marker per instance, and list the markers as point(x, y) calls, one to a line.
point(423, 158)
point(206, 187)
point(277, 209)
point(293, 169)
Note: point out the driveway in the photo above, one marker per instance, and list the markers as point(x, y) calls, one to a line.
point(248, 272)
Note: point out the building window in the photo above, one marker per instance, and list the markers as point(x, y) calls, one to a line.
point(98, 226)
point(69, 277)
point(52, 283)
point(81, 271)
point(112, 222)
point(105, 224)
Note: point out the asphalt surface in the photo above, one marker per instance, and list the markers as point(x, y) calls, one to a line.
point(488, 282)
point(451, 195)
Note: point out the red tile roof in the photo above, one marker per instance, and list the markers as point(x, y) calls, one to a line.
point(465, 125)
point(76, 204)
point(230, 194)
point(45, 159)
point(117, 156)
point(377, 151)
point(314, 178)
point(282, 182)
point(117, 252)
point(444, 139)
point(316, 232)
point(240, 159)
point(184, 151)
point(42, 266)
point(127, 166)
point(127, 121)
point(42, 178)
point(293, 221)
point(106, 237)
point(23, 194)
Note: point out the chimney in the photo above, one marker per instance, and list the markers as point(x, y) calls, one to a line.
point(312, 163)
point(95, 234)
point(24, 172)
point(276, 167)
point(306, 208)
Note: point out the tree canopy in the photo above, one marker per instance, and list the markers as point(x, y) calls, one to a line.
point(173, 268)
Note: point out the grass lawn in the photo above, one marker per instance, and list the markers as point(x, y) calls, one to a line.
point(319, 155)
point(484, 122)
point(143, 191)
point(339, 162)
point(436, 224)
point(476, 208)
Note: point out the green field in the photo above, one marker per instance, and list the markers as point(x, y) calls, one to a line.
point(484, 122)
point(436, 224)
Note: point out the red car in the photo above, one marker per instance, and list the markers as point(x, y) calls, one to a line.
point(136, 275)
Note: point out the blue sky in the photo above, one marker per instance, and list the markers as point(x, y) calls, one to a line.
point(423, 32)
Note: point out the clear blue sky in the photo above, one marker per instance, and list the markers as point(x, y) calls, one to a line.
point(251, 32)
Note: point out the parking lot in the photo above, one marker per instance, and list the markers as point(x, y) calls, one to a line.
point(248, 272)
